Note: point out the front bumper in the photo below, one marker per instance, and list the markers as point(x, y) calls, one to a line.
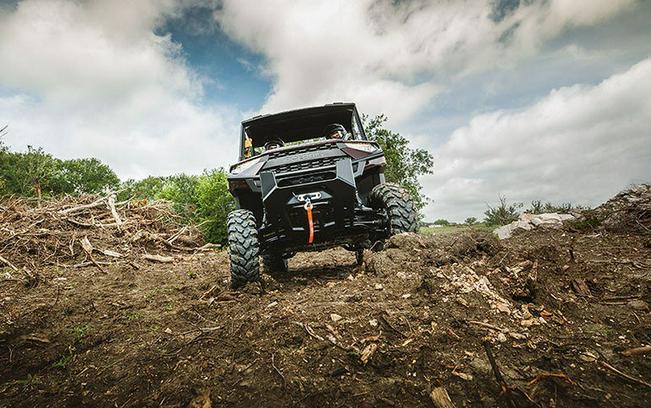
point(339, 217)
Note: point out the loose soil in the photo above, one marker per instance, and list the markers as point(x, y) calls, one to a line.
point(558, 310)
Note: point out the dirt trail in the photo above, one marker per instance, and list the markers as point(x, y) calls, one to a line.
point(556, 308)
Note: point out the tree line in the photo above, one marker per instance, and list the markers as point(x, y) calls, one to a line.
point(202, 199)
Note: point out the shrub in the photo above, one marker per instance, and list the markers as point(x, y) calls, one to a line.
point(146, 188)
point(204, 199)
point(181, 190)
point(441, 222)
point(470, 221)
point(538, 207)
point(503, 213)
point(589, 222)
point(214, 203)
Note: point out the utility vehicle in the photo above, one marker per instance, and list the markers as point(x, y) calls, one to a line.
point(306, 180)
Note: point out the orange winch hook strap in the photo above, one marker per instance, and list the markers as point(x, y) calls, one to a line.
point(310, 223)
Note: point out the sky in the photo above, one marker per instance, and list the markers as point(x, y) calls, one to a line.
point(532, 100)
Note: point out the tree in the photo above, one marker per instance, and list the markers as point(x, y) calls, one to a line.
point(404, 164)
point(503, 214)
point(470, 221)
point(180, 189)
point(441, 221)
point(87, 176)
point(32, 173)
point(146, 188)
point(35, 173)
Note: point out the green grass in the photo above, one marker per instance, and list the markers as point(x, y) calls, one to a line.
point(454, 229)
point(63, 361)
point(133, 316)
point(80, 331)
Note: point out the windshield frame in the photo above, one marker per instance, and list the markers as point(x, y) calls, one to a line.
point(355, 128)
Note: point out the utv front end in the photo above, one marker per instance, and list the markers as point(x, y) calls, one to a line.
point(296, 192)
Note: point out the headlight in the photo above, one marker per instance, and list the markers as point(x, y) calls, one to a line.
point(246, 165)
point(365, 147)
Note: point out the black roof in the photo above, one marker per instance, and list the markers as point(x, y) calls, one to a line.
point(299, 124)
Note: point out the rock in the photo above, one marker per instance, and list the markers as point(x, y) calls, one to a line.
point(528, 222)
point(503, 307)
point(504, 231)
point(536, 222)
point(525, 225)
point(480, 365)
point(335, 317)
point(379, 286)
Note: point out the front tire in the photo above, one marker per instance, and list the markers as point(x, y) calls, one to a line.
point(244, 248)
point(401, 213)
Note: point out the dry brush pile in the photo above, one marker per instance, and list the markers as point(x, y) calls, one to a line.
point(90, 230)
point(628, 210)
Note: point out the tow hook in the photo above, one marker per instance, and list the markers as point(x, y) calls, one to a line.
point(310, 223)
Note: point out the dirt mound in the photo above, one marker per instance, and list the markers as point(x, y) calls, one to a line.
point(89, 230)
point(628, 210)
point(546, 318)
point(435, 250)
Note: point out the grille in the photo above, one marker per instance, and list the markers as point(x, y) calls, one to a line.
point(305, 179)
point(315, 148)
point(324, 162)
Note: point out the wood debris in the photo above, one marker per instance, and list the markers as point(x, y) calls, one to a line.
point(158, 258)
point(440, 398)
point(91, 230)
point(368, 352)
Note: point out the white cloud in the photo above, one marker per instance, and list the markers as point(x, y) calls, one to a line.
point(580, 144)
point(92, 79)
point(392, 57)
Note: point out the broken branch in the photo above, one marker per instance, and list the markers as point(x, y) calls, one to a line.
point(623, 374)
point(9, 264)
point(440, 398)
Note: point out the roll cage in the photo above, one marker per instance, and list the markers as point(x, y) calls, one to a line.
point(298, 126)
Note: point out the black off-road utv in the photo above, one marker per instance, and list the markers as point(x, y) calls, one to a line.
point(307, 180)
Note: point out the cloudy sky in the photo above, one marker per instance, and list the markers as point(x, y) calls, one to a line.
point(547, 99)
